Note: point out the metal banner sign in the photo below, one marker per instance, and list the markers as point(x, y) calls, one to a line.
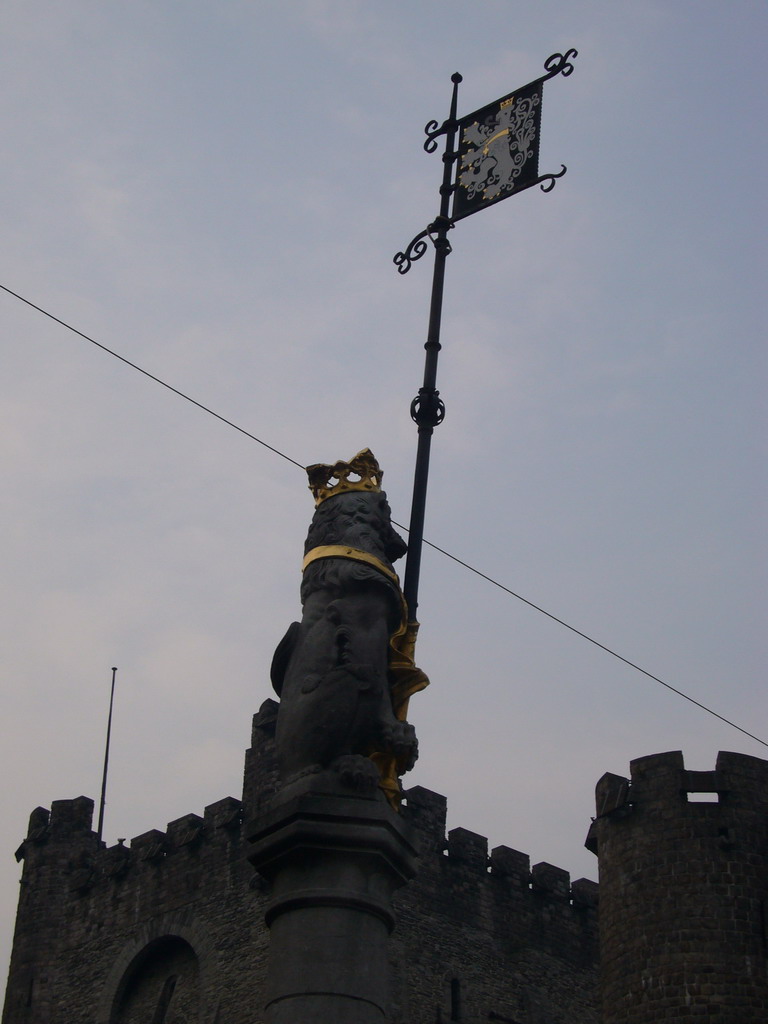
point(498, 151)
point(489, 155)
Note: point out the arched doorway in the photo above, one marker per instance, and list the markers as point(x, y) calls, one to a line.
point(160, 986)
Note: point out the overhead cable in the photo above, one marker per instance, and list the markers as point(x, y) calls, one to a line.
point(151, 376)
point(442, 551)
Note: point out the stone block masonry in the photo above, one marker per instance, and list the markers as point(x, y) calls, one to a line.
point(483, 936)
point(683, 861)
point(100, 930)
point(171, 927)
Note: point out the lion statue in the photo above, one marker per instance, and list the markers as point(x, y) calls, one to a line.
point(345, 672)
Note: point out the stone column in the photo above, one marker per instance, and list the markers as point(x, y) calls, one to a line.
point(334, 860)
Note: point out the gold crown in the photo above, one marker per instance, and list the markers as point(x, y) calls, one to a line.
point(362, 473)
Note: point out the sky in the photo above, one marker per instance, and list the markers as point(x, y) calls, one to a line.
point(216, 192)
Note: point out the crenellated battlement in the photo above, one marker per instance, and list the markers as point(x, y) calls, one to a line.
point(471, 912)
point(87, 908)
point(683, 853)
point(66, 831)
point(66, 818)
point(659, 785)
point(467, 852)
point(458, 856)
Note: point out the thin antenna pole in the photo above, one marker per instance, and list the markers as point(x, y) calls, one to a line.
point(106, 759)
point(427, 409)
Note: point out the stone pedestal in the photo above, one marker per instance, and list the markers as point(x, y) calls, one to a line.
point(334, 859)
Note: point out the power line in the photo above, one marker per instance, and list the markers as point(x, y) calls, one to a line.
point(442, 551)
point(597, 643)
point(151, 376)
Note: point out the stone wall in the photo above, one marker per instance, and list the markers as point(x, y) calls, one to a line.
point(683, 861)
point(486, 937)
point(95, 926)
point(175, 920)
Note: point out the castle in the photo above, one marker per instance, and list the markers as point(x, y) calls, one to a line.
point(171, 928)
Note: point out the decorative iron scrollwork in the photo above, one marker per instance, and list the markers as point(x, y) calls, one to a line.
point(548, 181)
point(560, 64)
point(417, 246)
point(433, 130)
point(414, 251)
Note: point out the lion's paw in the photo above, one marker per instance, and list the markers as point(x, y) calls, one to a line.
point(400, 741)
point(358, 772)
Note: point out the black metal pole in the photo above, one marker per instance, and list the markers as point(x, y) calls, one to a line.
point(427, 409)
point(106, 759)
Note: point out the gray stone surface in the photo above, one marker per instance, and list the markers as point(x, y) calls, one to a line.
point(683, 891)
point(332, 669)
point(333, 861)
point(93, 946)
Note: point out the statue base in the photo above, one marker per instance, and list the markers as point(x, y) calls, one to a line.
point(334, 859)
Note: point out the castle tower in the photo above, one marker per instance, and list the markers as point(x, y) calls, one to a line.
point(57, 853)
point(683, 858)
